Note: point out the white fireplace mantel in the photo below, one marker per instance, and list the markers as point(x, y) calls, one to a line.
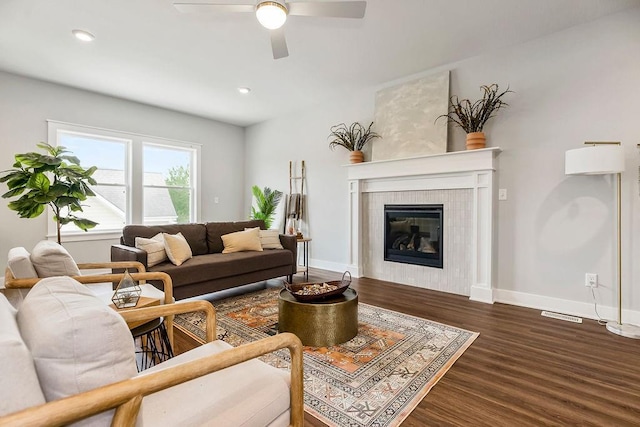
point(473, 169)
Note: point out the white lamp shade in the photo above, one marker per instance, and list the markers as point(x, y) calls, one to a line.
point(594, 160)
point(271, 14)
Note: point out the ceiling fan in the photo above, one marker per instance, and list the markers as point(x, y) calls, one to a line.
point(273, 14)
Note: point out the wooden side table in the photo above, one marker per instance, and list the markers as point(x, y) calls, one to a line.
point(304, 268)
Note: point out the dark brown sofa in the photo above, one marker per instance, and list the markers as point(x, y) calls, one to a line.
point(210, 270)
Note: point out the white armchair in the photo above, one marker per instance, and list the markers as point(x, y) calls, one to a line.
point(68, 357)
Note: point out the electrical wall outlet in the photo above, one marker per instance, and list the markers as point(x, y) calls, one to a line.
point(591, 280)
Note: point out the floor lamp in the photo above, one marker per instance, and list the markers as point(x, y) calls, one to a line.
point(604, 158)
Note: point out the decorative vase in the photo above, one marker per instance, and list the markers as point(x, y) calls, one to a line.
point(356, 157)
point(476, 140)
point(127, 293)
point(290, 227)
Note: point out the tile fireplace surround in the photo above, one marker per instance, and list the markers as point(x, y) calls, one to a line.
point(465, 182)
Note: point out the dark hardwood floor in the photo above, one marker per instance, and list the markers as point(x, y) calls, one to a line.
point(523, 369)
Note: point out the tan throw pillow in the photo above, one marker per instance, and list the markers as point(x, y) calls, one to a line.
point(177, 248)
point(154, 247)
point(239, 241)
point(269, 239)
point(51, 259)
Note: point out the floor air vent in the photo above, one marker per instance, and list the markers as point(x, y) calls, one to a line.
point(561, 316)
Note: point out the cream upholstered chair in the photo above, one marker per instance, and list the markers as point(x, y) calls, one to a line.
point(69, 357)
point(50, 259)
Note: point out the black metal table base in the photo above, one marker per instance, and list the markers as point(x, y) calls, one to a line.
point(152, 344)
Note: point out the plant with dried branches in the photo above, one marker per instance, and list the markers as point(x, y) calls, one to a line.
point(353, 138)
point(472, 117)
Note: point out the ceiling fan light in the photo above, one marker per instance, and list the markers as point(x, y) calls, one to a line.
point(271, 14)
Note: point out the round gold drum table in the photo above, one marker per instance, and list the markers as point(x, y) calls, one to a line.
point(320, 323)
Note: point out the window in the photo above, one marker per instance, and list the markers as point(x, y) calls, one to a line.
point(141, 179)
point(168, 188)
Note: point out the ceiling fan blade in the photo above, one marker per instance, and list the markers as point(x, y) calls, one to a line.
point(195, 7)
point(279, 44)
point(340, 9)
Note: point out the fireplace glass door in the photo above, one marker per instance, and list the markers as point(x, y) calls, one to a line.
point(413, 234)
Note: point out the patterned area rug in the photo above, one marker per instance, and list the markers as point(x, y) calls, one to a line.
point(375, 379)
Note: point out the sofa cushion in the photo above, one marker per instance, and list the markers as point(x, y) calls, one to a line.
point(215, 230)
point(248, 240)
point(154, 247)
point(20, 388)
point(195, 234)
point(177, 248)
point(248, 394)
point(52, 259)
point(208, 267)
point(77, 342)
point(269, 239)
point(19, 262)
point(20, 265)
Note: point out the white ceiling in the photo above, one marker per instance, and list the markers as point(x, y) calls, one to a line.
point(146, 51)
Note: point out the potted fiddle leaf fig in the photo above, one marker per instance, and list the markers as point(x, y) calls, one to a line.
point(472, 116)
point(53, 179)
point(267, 201)
point(353, 138)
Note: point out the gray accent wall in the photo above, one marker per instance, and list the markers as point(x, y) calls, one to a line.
point(581, 84)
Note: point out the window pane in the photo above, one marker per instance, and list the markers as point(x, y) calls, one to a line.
point(166, 168)
point(109, 207)
point(164, 205)
point(108, 155)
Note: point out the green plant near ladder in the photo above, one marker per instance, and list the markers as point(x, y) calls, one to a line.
point(266, 202)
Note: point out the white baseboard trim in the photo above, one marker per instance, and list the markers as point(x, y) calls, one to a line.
point(482, 294)
point(333, 266)
point(575, 308)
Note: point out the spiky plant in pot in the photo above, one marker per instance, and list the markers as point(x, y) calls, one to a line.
point(353, 138)
point(472, 116)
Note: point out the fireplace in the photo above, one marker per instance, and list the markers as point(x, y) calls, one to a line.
point(413, 234)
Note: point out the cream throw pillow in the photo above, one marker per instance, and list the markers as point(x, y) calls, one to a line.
point(248, 240)
point(269, 239)
point(177, 248)
point(78, 343)
point(51, 259)
point(154, 247)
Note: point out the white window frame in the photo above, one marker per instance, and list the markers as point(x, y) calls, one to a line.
point(133, 175)
point(194, 154)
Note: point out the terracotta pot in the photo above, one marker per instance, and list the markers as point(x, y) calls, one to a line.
point(476, 140)
point(356, 157)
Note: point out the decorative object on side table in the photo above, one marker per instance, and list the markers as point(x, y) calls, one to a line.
point(472, 117)
point(55, 179)
point(127, 292)
point(353, 138)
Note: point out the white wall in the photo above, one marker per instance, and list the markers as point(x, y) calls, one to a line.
point(577, 85)
point(26, 104)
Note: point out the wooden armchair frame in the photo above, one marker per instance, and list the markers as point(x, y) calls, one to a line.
point(126, 396)
point(10, 282)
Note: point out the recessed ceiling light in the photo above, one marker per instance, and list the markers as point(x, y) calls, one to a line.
point(244, 90)
point(85, 36)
